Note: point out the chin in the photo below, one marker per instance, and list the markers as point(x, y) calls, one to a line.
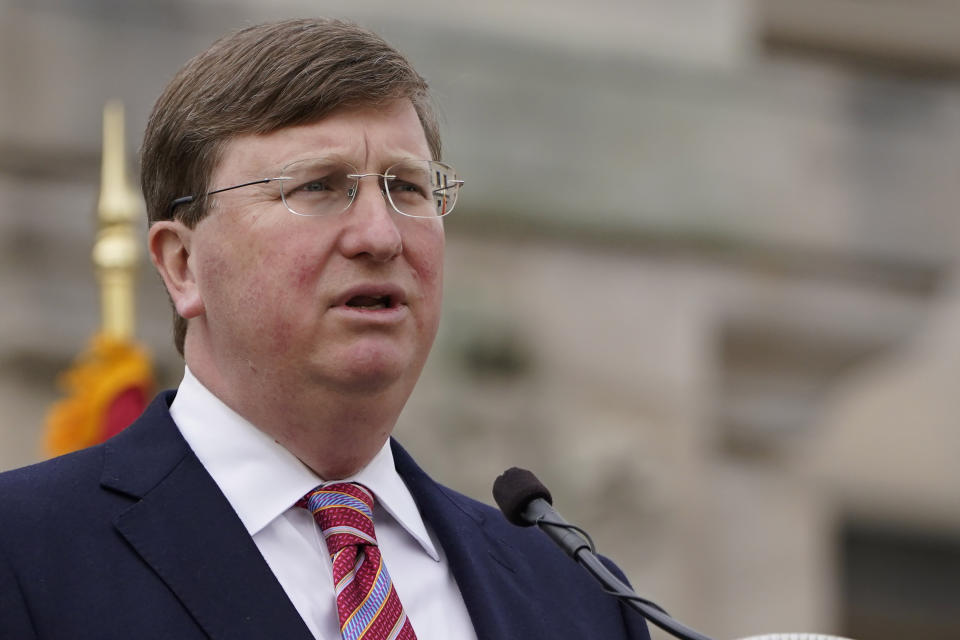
point(369, 372)
point(366, 385)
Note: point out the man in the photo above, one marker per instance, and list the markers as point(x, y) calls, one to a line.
point(295, 192)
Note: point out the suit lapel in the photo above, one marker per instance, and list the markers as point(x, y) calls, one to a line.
point(493, 579)
point(185, 530)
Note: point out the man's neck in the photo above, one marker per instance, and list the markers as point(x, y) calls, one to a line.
point(334, 432)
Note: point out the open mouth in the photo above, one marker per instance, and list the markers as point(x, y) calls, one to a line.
point(371, 303)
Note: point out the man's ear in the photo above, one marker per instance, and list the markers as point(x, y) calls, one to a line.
point(169, 246)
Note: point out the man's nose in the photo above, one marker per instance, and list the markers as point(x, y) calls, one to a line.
point(371, 223)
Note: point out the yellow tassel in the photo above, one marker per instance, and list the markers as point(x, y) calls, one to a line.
point(107, 368)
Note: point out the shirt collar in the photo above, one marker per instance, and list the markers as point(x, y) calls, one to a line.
point(261, 479)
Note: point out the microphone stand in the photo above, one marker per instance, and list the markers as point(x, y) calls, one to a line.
point(524, 501)
point(540, 512)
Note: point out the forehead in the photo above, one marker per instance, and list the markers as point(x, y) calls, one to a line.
point(365, 136)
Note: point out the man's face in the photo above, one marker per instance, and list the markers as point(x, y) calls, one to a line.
point(350, 301)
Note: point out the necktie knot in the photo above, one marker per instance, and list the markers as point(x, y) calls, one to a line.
point(344, 511)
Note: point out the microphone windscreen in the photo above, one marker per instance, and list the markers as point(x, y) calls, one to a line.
point(514, 489)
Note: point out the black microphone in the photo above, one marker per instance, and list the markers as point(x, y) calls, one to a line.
point(525, 501)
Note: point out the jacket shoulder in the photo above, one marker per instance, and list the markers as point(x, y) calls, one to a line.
point(42, 483)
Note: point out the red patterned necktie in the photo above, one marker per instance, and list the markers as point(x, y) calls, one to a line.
point(368, 605)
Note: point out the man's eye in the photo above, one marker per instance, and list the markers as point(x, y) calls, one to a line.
point(399, 186)
point(315, 185)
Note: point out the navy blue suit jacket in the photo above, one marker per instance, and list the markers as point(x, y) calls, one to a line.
point(133, 539)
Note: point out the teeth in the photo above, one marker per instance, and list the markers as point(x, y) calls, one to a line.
point(369, 303)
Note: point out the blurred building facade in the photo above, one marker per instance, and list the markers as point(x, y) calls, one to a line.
point(700, 280)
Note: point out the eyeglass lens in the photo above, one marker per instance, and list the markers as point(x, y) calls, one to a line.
point(327, 186)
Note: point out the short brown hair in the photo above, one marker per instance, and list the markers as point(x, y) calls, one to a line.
point(256, 81)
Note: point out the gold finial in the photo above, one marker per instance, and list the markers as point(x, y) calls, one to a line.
point(116, 251)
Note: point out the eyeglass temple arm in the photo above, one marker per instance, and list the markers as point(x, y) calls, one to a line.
point(449, 185)
point(188, 199)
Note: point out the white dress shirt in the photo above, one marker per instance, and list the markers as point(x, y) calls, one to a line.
point(263, 481)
